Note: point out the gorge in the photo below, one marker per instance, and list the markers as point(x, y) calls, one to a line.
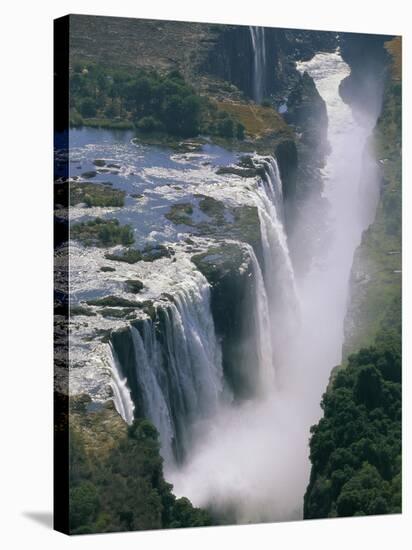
point(221, 317)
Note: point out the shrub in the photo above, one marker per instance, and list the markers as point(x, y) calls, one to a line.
point(110, 111)
point(84, 504)
point(88, 108)
point(225, 127)
point(102, 233)
point(240, 131)
point(149, 124)
point(125, 489)
point(355, 449)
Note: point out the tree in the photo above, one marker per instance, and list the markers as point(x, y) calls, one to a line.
point(368, 387)
point(355, 448)
point(84, 504)
point(148, 124)
point(240, 131)
point(225, 127)
point(181, 115)
point(88, 107)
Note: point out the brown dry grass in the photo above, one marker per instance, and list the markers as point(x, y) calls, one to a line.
point(257, 119)
point(394, 47)
point(100, 431)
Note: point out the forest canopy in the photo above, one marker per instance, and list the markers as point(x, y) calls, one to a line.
point(355, 449)
point(126, 490)
point(146, 100)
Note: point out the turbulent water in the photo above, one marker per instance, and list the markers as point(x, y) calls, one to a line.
point(178, 366)
point(180, 376)
point(252, 464)
point(246, 460)
point(121, 393)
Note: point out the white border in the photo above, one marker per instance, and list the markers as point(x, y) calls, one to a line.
point(26, 270)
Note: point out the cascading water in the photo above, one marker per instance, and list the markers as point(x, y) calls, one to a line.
point(257, 35)
point(324, 289)
point(121, 393)
point(266, 371)
point(252, 462)
point(149, 372)
point(249, 458)
point(278, 269)
point(274, 239)
point(179, 369)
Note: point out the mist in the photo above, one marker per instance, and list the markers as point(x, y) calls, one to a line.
point(249, 462)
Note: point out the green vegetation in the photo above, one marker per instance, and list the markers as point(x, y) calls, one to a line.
point(102, 233)
point(134, 285)
point(379, 258)
point(112, 301)
point(148, 100)
point(241, 223)
point(100, 122)
point(80, 310)
point(355, 449)
point(95, 194)
point(116, 478)
point(99, 162)
point(89, 174)
point(148, 254)
point(151, 102)
point(180, 214)
point(224, 125)
point(130, 256)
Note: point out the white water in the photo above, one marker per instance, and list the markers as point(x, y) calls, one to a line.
point(257, 35)
point(149, 374)
point(252, 460)
point(274, 240)
point(180, 377)
point(121, 393)
point(324, 290)
point(263, 336)
point(278, 270)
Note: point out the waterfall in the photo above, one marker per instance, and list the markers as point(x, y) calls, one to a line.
point(278, 269)
point(263, 337)
point(121, 393)
point(149, 373)
point(257, 35)
point(326, 286)
point(253, 460)
point(274, 182)
point(278, 272)
point(178, 365)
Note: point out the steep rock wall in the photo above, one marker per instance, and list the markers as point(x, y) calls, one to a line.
point(377, 269)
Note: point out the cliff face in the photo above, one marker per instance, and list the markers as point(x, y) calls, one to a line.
point(368, 59)
point(231, 57)
point(228, 269)
point(218, 61)
point(116, 476)
point(357, 463)
point(229, 272)
point(376, 274)
point(198, 50)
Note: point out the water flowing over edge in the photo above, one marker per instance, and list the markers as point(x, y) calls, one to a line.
point(306, 367)
point(188, 385)
point(257, 35)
